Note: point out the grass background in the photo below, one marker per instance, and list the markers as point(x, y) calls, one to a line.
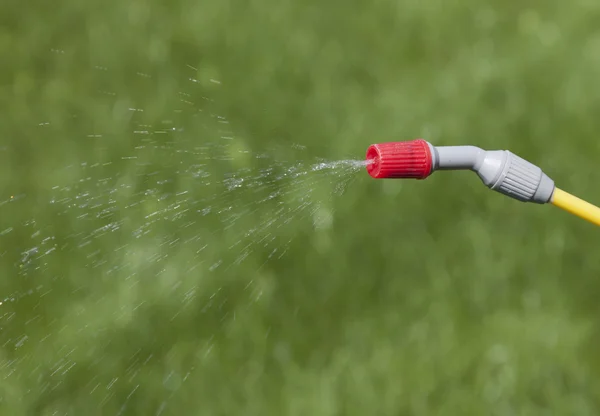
point(417, 298)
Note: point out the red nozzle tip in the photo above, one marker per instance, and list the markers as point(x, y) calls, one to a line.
point(411, 159)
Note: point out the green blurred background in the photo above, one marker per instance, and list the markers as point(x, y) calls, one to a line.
point(417, 298)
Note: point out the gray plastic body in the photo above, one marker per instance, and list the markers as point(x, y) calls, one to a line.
point(500, 170)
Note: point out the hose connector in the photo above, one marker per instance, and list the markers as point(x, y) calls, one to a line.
point(500, 170)
point(513, 176)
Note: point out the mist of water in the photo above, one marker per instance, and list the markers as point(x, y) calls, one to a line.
point(104, 231)
point(176, 190)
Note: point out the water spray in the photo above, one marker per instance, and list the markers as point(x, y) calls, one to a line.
point(500, 170)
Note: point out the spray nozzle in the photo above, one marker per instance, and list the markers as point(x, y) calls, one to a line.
point(499, 170)
point(411, 160)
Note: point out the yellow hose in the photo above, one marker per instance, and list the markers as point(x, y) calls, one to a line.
point(576, 206)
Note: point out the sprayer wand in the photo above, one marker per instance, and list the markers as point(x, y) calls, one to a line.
point(500, 170)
